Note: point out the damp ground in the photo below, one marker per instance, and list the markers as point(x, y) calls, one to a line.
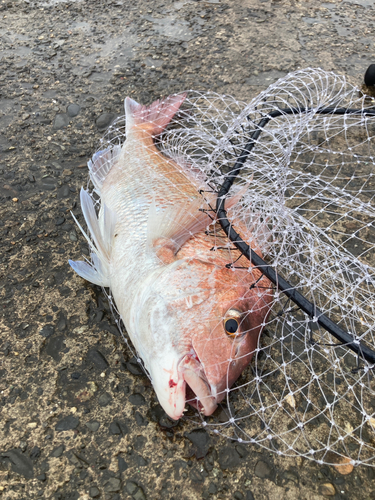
point(79, 419)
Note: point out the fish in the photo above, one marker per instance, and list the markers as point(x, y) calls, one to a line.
point(194, 320)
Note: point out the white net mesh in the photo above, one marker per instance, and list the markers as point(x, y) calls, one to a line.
point(309, 204)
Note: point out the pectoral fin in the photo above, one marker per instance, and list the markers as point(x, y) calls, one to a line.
point(169, 228)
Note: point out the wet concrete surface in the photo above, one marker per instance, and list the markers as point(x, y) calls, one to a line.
point(79, 419)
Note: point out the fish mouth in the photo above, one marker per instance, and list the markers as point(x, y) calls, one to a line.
point(198, 392)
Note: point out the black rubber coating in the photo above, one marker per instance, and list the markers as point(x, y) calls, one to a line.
point(370, 76)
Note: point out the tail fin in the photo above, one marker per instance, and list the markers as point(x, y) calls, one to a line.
point(157, 115)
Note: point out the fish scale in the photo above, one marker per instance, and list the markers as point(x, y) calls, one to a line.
point(132, 185)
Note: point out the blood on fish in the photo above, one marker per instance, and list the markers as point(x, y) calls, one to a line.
point(172, 383)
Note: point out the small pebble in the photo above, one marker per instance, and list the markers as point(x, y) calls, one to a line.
point(73, 110)
point(92, 426)
point(262, 469)
point(57, 452)
point(104, 399)
point(67, 423)
point(61, 121)
point(104, 120)
point(344, 466)
point(113, 485)
point(94, 492)
point(131, 487)
point(327, 490)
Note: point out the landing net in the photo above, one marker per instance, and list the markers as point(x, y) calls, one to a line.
point(310, 205)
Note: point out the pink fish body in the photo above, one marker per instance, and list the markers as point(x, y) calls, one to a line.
point(194, 322)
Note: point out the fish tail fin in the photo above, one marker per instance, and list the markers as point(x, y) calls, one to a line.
point(156, 116)
point(101, 231)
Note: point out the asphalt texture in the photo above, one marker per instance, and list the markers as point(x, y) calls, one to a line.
point(78, 418)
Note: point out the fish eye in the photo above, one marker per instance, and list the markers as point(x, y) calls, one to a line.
point(231, 326)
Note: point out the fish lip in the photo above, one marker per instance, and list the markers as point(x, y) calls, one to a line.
point(192, 372)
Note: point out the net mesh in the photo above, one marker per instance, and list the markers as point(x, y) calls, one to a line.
point(309, 204)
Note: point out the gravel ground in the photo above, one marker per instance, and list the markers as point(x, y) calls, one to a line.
point(78, 417)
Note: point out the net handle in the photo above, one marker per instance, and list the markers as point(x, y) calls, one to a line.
point(281, 284)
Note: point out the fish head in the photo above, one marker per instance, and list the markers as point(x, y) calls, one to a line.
point(205, 322)
point(224, 346)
